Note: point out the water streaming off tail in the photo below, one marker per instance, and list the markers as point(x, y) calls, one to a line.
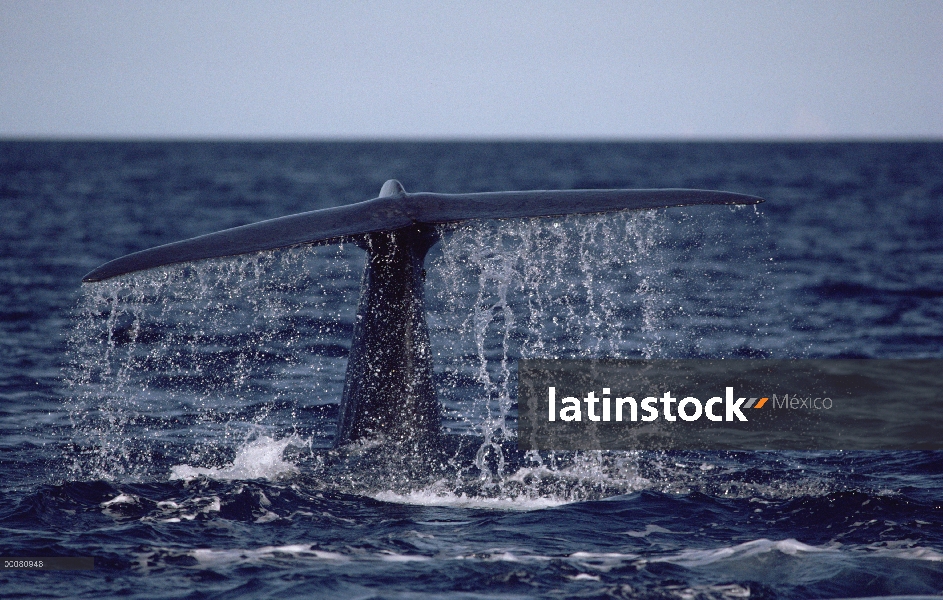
point(184, 368)
point(183, 362)
point(553, 288)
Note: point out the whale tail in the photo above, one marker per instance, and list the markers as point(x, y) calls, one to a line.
point(388, 390)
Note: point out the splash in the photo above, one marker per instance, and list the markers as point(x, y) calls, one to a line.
point(261, 458)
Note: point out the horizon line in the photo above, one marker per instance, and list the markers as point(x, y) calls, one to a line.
point(469, 139)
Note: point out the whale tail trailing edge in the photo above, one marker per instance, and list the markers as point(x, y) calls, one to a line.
point(388, 390)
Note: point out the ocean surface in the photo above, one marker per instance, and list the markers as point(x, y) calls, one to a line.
point(176, 424)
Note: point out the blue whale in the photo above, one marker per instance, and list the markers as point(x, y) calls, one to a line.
point(388, 390)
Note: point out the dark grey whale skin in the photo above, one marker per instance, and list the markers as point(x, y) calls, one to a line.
point(395, 209)
point(388, 390)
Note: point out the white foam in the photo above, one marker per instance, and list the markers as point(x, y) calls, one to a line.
point(505, 556)
point(430, 498)
point(188, 510)
point(260, 458)
point(393, 557)
point(213, 557)
point(121, 499)
point(602, 555)
point(587, 564)
point(208, 556)
point(585, 577)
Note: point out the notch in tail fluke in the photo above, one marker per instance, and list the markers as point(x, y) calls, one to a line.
point(395, 209)
point(388, 389)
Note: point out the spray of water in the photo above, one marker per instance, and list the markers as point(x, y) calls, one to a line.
point(569, 287)
point(182, 363)
point(203, 369)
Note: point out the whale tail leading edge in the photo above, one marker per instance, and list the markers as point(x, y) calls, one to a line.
point(388, 390)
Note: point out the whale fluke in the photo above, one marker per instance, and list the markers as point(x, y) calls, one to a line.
point(394, 209)
point(388, 390)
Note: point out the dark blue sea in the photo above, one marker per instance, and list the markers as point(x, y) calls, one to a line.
point(176, 424)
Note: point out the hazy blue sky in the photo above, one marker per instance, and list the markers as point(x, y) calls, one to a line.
point(535, 69)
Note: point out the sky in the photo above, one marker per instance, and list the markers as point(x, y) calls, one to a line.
point(518, 69)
